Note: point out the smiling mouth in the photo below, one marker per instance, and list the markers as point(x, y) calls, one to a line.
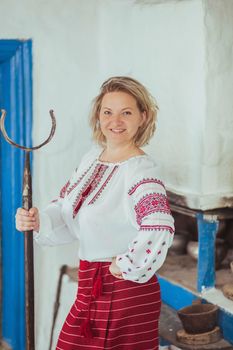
point(117, 131)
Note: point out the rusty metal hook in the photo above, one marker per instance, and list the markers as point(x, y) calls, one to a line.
point(8, 139)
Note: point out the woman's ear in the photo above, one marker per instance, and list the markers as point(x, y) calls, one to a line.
point(143, 114)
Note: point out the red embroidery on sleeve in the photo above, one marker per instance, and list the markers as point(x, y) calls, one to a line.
point(144, 181)
point(157, 228)
point(151, 203)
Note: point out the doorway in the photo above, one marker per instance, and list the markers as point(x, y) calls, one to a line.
point(16, 99)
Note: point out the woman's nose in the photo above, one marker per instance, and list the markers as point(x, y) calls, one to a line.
point(117, 118)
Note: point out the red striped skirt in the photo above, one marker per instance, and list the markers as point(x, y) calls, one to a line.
point(123, 317)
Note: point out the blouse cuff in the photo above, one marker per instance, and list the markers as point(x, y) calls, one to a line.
point(144, 256)
point(42, 236)
point(51, 236)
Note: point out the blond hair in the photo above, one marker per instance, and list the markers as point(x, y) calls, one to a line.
point(145, 102)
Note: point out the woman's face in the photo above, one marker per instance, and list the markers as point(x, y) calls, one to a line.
point(120, 118)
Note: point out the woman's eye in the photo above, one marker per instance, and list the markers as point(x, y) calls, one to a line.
point(107, 112)
point(127, 113)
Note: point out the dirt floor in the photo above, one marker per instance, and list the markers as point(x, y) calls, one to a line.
point(4, 346)
point(182, 269)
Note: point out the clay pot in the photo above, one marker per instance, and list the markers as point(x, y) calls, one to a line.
point(192, 249)
point(220, 251)
point(229, 233)
point(231, 265)
point(198, 318)
point(179, 243)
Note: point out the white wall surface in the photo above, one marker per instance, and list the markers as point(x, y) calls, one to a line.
point(218, 143)
point(170, 47)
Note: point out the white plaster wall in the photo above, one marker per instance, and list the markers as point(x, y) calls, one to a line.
point(172, 64)
point(217, 170)
point(76, 45)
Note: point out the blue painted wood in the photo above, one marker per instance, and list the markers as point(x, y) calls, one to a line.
point(225, 320)
point(163, 342)
point(16, 74)
point(207, 231)
point(1, 93)
point(175, 295)
point(8, 49)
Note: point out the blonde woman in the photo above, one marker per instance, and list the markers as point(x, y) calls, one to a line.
point(116, 206)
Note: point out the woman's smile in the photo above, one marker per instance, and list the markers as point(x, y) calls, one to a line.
point(117, 131)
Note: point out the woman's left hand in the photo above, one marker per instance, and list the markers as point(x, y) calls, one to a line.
point(114, 269)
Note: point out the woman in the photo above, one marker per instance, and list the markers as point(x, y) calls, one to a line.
point(117, 208)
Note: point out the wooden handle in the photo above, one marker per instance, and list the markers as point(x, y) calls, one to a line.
point(28, 258)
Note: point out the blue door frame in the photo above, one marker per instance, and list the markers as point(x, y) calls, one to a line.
point(16, 98)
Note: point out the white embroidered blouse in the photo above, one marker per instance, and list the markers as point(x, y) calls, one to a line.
point(114, 210)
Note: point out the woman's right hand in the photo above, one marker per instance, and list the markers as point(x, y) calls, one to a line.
point(27, 220)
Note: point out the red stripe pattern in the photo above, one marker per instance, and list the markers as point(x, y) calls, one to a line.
point(124, 317)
